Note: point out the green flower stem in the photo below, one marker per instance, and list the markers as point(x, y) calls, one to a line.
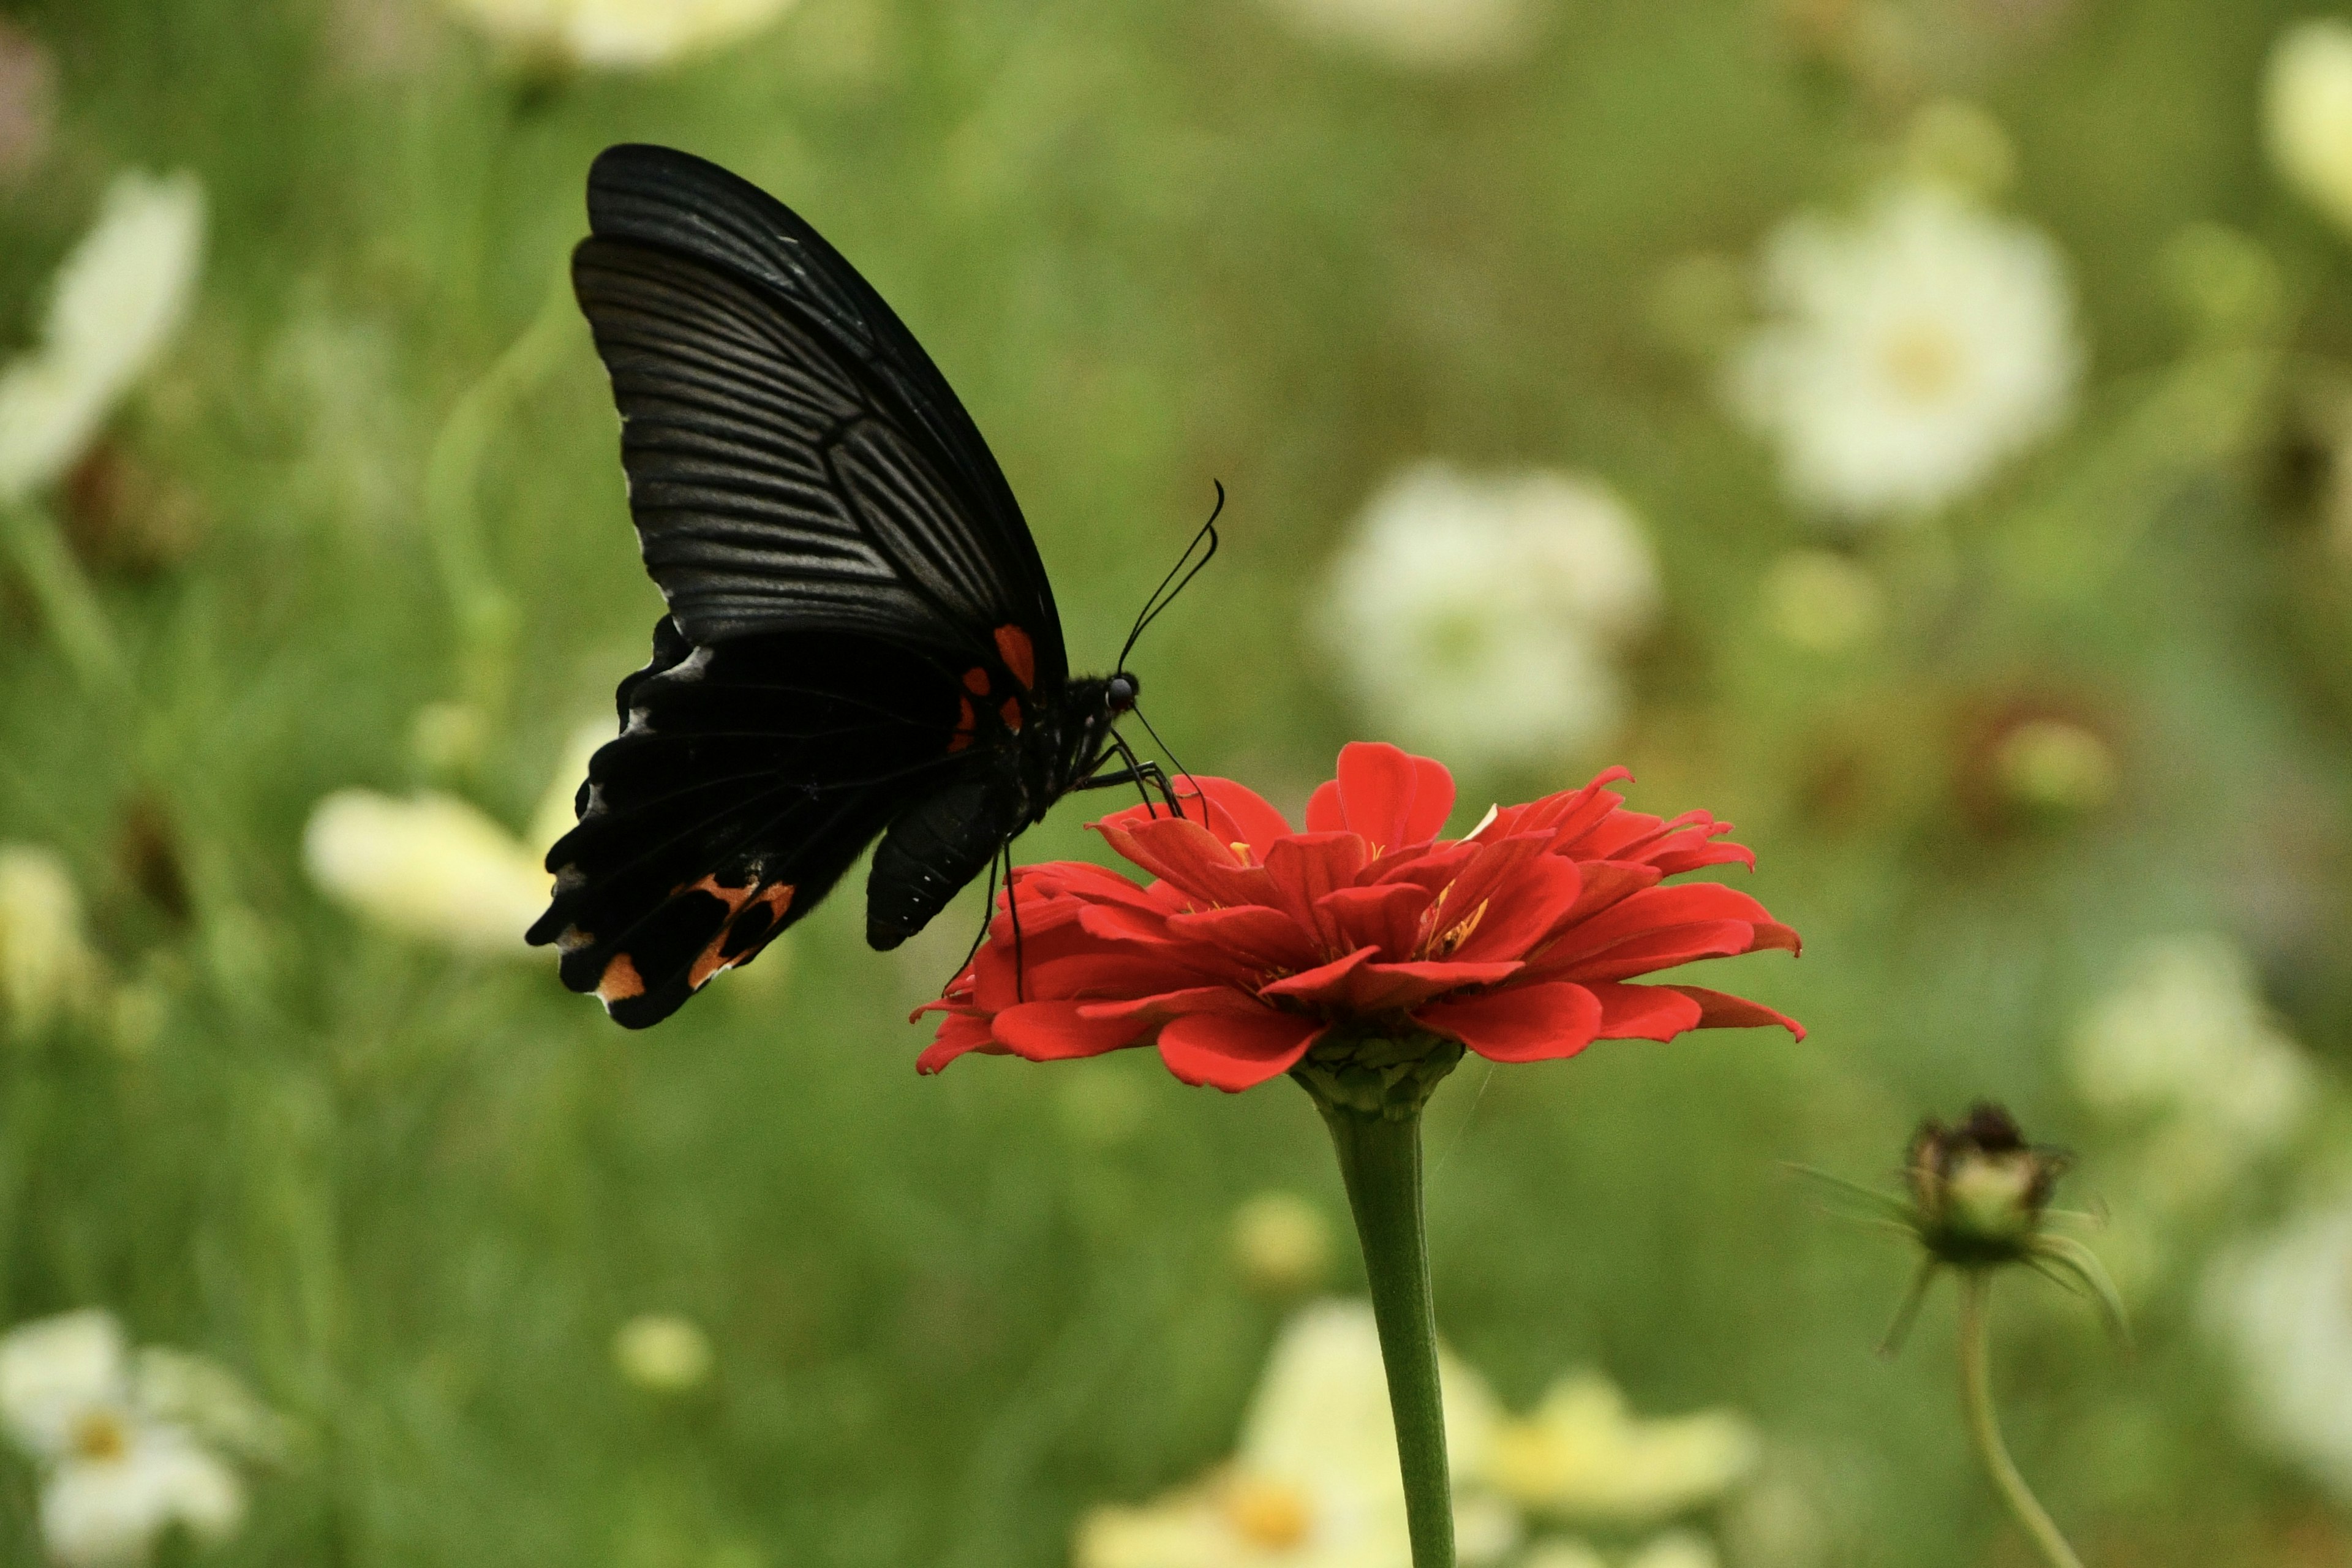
point(68, 603)
point(1976, 1396)
point(1380, 1159)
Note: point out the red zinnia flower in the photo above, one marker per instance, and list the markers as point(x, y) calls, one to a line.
point(1256, 940)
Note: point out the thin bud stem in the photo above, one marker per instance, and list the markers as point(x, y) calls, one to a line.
point(1975, 1397)
point(1379, 1158)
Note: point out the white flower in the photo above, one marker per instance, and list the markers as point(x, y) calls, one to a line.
point(2282, 1307)
point(117, 299)
point(46, 967)
point(120, 1463)
point(1314, 1484)
point(431, 867)
point(662, 1353)
point(1425, 33)
point(1584, 1455)
point(2307, 114)
point(619, 33)
point(1480, 616)
point(1912, 352)
point(2185, 1037)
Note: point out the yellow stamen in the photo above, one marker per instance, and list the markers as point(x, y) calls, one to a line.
point(101, 1437)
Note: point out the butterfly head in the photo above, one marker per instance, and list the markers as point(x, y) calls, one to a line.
point(1120, 691)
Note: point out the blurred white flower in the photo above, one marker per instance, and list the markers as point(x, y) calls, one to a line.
point(121, 1459)
point(117, 301)
point(1480, 616)
point(1431, 34)
point(1282, 1243)
point(1911, 352)
point(431, 867)
point(1583, 1455)
point(2185, 1036)
point(2307, 114)
point(2281, 1306)
point(618, 32)
point(46, 967)
point(1314, 1484)
point(662, 1353)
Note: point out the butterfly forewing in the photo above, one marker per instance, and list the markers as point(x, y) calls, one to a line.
point(860, 632)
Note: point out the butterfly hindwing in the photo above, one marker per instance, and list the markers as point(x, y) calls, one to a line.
point(746, 778)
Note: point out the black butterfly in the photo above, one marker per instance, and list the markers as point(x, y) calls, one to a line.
point(860, 640)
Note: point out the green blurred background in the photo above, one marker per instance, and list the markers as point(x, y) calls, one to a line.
point(411, 1195)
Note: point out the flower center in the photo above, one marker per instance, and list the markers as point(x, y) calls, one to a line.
point(1268, 1513)
point(100, 1436)
point(1446, 942)
point(1923, 361)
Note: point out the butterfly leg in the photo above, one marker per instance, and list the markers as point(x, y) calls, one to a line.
point(1136, 772)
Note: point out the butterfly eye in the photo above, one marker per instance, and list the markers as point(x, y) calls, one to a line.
point(1122, 693)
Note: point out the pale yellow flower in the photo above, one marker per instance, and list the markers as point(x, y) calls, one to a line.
point(430, 866)
point(117, 1440)
point(662, 1353)
point(618, 32)
point(1315, 1483)
point(1282, 1243)
point(1583, 1455)
point(46, 967)
point(2307, 114)
point(1429, 35)
point(117, 301)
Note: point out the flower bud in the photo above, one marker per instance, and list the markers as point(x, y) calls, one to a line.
point(1979, 1189)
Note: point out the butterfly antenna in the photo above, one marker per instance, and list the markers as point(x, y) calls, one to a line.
point(1180, 574)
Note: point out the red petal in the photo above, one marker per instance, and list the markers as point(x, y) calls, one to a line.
point(1642, 1011)
point(1301, 868)
point(1721, 1010)
point(1320, 984)
point(1522, 1023)
point(1397, 987)
point(1236, 1053)
point(1658, 950)
point(959, 1034)
point(1222, 999)
point(1526, 908)
point(1251, 932)
point(1323, 810)
point(1390, 797)
point(1190, 856)
point(1656, 909)
point(1057, 1031)
point(1386, 916)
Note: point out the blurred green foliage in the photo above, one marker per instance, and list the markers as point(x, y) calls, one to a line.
point(411, 1198)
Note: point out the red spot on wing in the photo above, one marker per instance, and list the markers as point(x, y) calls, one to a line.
point(975, 681)
point(966, 721)
point(1011, 712)
point(1020, 655)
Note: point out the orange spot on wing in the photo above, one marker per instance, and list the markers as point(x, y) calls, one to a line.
point(778, 898)
point(1020, 655)
point(620, 981)
point(975, 681)
point(1011, 713)
point(733, 898)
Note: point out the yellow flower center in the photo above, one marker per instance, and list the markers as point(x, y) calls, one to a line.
point(100, 1436)
point(1923, 361)
point(1272, 1514)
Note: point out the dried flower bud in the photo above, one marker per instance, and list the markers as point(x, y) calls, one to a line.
point(1979, 1189)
